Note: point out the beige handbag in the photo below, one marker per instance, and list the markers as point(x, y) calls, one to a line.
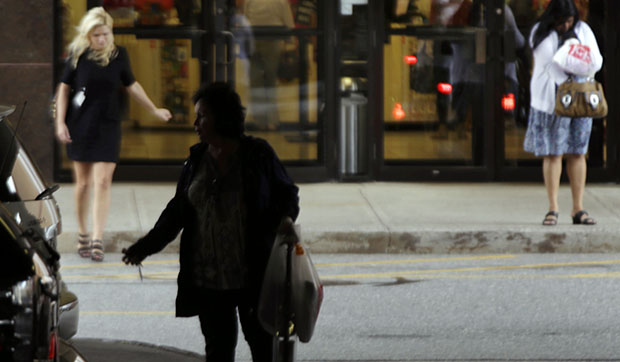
point(576, 99)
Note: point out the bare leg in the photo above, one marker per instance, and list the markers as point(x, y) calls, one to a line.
point(82, 174)
point(552, 170)
point(576, 169)
point(102, 174)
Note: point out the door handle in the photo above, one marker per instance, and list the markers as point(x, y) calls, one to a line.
point(481, 46)
point(197, 45)
point(230, 47)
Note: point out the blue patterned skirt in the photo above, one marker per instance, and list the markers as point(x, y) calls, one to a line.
point(549, 134)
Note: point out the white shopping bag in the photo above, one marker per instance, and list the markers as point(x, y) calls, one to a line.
point(575, 58)
point(272, 291)
point(306, 292)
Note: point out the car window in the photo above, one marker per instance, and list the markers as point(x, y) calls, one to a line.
point(19, 178)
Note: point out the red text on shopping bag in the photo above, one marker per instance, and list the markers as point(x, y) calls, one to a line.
point(580, 52)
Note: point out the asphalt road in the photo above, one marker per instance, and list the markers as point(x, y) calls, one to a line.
point(382, 307)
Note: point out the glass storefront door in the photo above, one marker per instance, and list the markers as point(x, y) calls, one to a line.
point(434, 94)
point(277, 71)
point(268, 50)
point(348, 89)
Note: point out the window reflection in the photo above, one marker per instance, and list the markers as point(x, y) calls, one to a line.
point(276, 75)
point(153, 12)
point(435, 113)
point(295, 105)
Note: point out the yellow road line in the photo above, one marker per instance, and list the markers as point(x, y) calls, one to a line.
point(471, 269)
point(377, 262)
point(125, 313)
point(427, 260)
point(504, 276)
point(447, 273)
point(103, 265)
point(161, 275)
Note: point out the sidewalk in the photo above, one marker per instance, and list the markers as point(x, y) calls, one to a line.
point(381, 217)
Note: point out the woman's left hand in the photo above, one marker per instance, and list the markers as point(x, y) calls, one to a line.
point(287, 230)
point(62, 133)
point(163, 114)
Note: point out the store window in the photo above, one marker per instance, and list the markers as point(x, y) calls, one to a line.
point(277, 74)
point(164, 67)
point(276, 71)
point(434, 71)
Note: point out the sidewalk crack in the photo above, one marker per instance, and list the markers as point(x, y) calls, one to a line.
point(137, 209)
point(383, 223)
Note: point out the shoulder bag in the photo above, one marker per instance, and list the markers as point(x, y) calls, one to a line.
point(580, 99)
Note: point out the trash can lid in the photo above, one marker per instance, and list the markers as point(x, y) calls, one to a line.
point(354, 99)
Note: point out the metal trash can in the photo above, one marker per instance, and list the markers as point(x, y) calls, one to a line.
point(353, 156)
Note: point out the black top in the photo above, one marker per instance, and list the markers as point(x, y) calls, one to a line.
point(268, 195)
point(95, 125)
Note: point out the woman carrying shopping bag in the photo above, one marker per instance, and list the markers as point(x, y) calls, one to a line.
point(549, 135)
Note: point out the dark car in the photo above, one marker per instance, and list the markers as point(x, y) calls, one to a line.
point(37, 311)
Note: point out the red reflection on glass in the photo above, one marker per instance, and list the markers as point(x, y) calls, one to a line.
point(444, 88)
point(51, 355)
point(508, 102)
point(411, 59)
point(398, 113)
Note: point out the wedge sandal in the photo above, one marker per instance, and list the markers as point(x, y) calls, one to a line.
point(97, 250)
point(84, 245)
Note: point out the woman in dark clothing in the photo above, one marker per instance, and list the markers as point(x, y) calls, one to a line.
point(89, 123)
point(232, 198)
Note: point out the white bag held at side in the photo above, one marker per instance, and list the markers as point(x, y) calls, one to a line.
point(306, 292)
point(272, 291)
point(575, 58)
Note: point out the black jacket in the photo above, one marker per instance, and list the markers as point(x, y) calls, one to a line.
point(269, 195)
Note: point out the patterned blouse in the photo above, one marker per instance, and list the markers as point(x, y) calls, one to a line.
point(219, 246)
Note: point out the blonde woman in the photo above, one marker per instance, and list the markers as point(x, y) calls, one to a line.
point(88, 120)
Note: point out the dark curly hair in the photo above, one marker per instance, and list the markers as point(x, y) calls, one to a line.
point(556, 10)
point(225, 106)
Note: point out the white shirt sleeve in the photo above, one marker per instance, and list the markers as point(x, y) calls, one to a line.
point(586, 37)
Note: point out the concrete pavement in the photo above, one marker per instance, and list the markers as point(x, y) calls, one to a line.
point(382, 217)
point(377, 217)
point(102, 350)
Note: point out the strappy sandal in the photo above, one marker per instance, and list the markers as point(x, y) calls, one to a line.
point(551, 218)
point(579, 218)
point(97, 250)
point(84, 245)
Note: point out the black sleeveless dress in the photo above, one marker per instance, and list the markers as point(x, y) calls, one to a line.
point(95, 125)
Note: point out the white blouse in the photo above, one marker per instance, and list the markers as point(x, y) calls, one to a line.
point(547, 75)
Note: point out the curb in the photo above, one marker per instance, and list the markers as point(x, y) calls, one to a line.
point(563, 239)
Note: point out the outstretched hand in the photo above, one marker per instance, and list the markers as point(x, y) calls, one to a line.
point(163, 114)
point(131, 257)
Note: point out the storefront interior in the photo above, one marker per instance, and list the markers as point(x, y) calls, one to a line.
point(353, 90)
